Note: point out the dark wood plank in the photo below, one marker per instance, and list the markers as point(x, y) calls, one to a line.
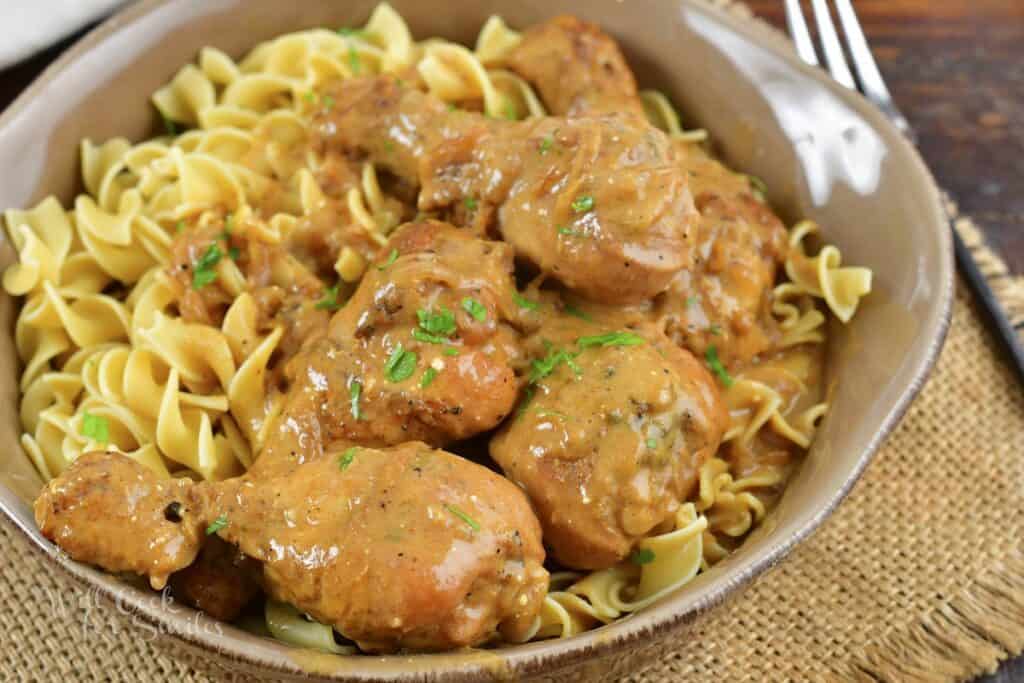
point(956, 69)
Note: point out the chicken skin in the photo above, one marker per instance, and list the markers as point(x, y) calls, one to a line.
point(577, 69)
point(407, 548)
point(610, 436)
point(598, 203)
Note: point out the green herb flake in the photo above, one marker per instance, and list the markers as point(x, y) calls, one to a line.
point(611, 339)
point(346, 458)
point(542, 367)
point(451, 106)
point(441, 322)
point(234, 254)
point(328, 101)
point(429, 375)
point(576, 312)
point(652, 444)
point(353, 60)
point(170, 126)
point(711, 355)
point(330, 300)
point(546, 144)
point(348, 31)
point(400, 365)
point(583, 203)
point(475, 309)
point(392, 257)
point(310, 97)
point(642, 556)
point(715, 330)
point(526, 400)
point(389, 146)
point(760, 190)
point(179, 226)
point(470, 203)
point(523, 302)
point(355, 392)
point(509, 110)
point(204, 272)
point(217, 524)
point(450, 351)
point(569, 232)
point(95, 427)
point(458, 512)
point(691, 301)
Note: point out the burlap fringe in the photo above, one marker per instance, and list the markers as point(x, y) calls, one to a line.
point(972, 632)
point(1008, 289)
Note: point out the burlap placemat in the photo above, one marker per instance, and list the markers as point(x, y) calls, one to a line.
point(918, 576)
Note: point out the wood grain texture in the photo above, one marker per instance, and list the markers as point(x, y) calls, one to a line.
point(956, 69)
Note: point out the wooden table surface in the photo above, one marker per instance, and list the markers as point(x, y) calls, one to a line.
point(956, 69)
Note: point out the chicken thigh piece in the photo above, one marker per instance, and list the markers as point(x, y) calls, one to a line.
point(577, 68)
point(599, 203)
point(407, 548)
point(610, 436)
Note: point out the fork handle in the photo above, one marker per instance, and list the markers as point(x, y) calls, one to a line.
point(990, 307)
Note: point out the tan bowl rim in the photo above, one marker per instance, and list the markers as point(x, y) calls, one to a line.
point(546, 656)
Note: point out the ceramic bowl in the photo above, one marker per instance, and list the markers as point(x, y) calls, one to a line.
point(824, 152)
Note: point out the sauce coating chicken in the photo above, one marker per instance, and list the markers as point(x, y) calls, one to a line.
point(422, 351)
point(609, 437)
point(725, 300)
point(599, 203)
point(406, 548)
point(576, 68)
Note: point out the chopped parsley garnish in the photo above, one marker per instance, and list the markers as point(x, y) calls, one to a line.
point(523, 302)
point(328, 101)
point(400, 365)
point(95, 427)
point(355, 392)
point(611, 339)
point(353, 60)
point(527, 398)
point(309, 97)
point(758, 186)
point(470, 203)
point(451, 106)
point(457, 511)
point(711, 355)
point(691, 301)
point(217, 524)
point(715, 330)
point(427, 338)
point(542, 367)
point(652, 443)
point(349, 31)
point(389, 146)
point(330, 300)
point(179, 226)
point(450, 351)
point(546, 144)
point(442, 322)
point(475, 309)
point(170, 126)
point(563, 230)
point(642, 556)
point(204, 272)
point(429, 375)
point(583, 203)
point(346, 458)
point(234, 253)
point(576, 312)
point(509, 110)
point(392, 257)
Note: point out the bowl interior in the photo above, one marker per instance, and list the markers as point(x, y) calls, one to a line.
point(824, 153)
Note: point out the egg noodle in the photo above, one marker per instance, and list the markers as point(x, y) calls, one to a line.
point(109, 363)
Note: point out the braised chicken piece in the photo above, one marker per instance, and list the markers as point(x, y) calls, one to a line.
point(725, 299)
point(401, 549)
point(110, 511)
point(599, 203)
point(577, 68)
point(422, 350)
point(610, 435)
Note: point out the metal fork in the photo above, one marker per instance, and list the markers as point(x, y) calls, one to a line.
point(870, 83)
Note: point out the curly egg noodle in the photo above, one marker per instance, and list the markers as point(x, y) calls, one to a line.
point(109, 363)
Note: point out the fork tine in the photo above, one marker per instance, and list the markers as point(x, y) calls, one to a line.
point(871, 81)
point(833, 50)
point(798, 30)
